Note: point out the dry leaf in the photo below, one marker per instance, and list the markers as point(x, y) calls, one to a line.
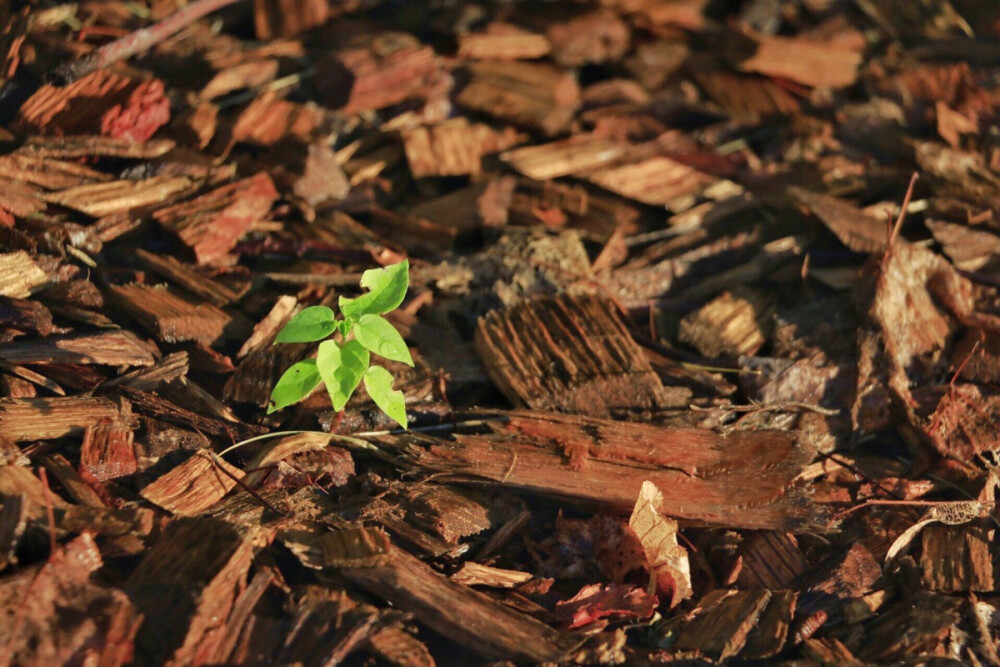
point(667, 560)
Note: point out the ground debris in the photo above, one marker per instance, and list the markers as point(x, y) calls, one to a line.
point(697, 378)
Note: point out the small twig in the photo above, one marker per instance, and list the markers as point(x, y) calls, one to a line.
point(243, 485)
point(140, 40)
point(775, 407)
point(902, 212)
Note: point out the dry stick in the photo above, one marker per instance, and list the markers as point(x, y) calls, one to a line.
point(140, 40)
point(902, 211)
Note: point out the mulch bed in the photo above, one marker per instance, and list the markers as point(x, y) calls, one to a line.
point(704, 308)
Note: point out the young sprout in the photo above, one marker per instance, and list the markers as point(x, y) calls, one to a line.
point(343, 363)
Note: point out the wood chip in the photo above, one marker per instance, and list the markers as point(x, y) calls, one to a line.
point(19, 275)
point(193, 486)
point(579, 359)
point(212, 223)
point(51, 418)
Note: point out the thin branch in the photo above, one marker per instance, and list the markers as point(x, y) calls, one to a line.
point(139, 41)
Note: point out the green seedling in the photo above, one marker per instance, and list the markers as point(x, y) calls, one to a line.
point(344, 357)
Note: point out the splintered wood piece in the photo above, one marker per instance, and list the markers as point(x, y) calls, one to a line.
point(729, 325)
point(535, 96)
point(188, 581)
point(12, 35)
point(579, 153)
point(49, 173)
point(661, 181)
point(398, 647)
point(966, 423)
point(841, 578)
point(134, 521)
point(482, 204)
point(20, 199)
point(801, 61)
point(448, 513)
point(768, 638)
point(253, 72)
point(453, 148)
point(463, 615)
point(958, 559)
point(326, 629)
point(255, 376)
point(770, 560)
point(108, 450)
point(51, 418)
point(19, 275)
point(170, 317)
point(744, 480)
point(113, 347)
point(212, 224)
point(26, 316)
point(503, 42)
point(265, 330)
point(916, 329)
point(62, 614)
point(78, 293)
point(300, 459)
point(180, 273)
point(193, 486)
point(269, 119)
point(309, 175)
point(100, 199)
point(153, 405)
point(77, 490)
point(568, 353)
point(477, 574)
point(13, 522)
point(101, 102)
point(968, 248)
point(687, 14)
point(746, 95)
point(167, 368)
point(926, 625)
point(590, 38)
point(18, 481)
point(724, 620)
point(829, 651)
point(284, 18)
point(388, 68)
point(68, 148)
point(856, 229)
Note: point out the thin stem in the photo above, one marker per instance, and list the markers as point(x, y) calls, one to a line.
point(356, 439)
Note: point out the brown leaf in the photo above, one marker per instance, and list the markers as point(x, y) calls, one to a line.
point(666, 559)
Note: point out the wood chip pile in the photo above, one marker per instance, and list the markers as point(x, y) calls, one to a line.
point(703, 373)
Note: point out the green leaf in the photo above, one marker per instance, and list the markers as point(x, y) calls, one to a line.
point(378, 382)
point(296, 383)
point(387, 288)
point(310, 324)
point(375, 333)
point(341, 367)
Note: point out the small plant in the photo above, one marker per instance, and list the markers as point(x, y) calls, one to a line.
point(342, 362)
